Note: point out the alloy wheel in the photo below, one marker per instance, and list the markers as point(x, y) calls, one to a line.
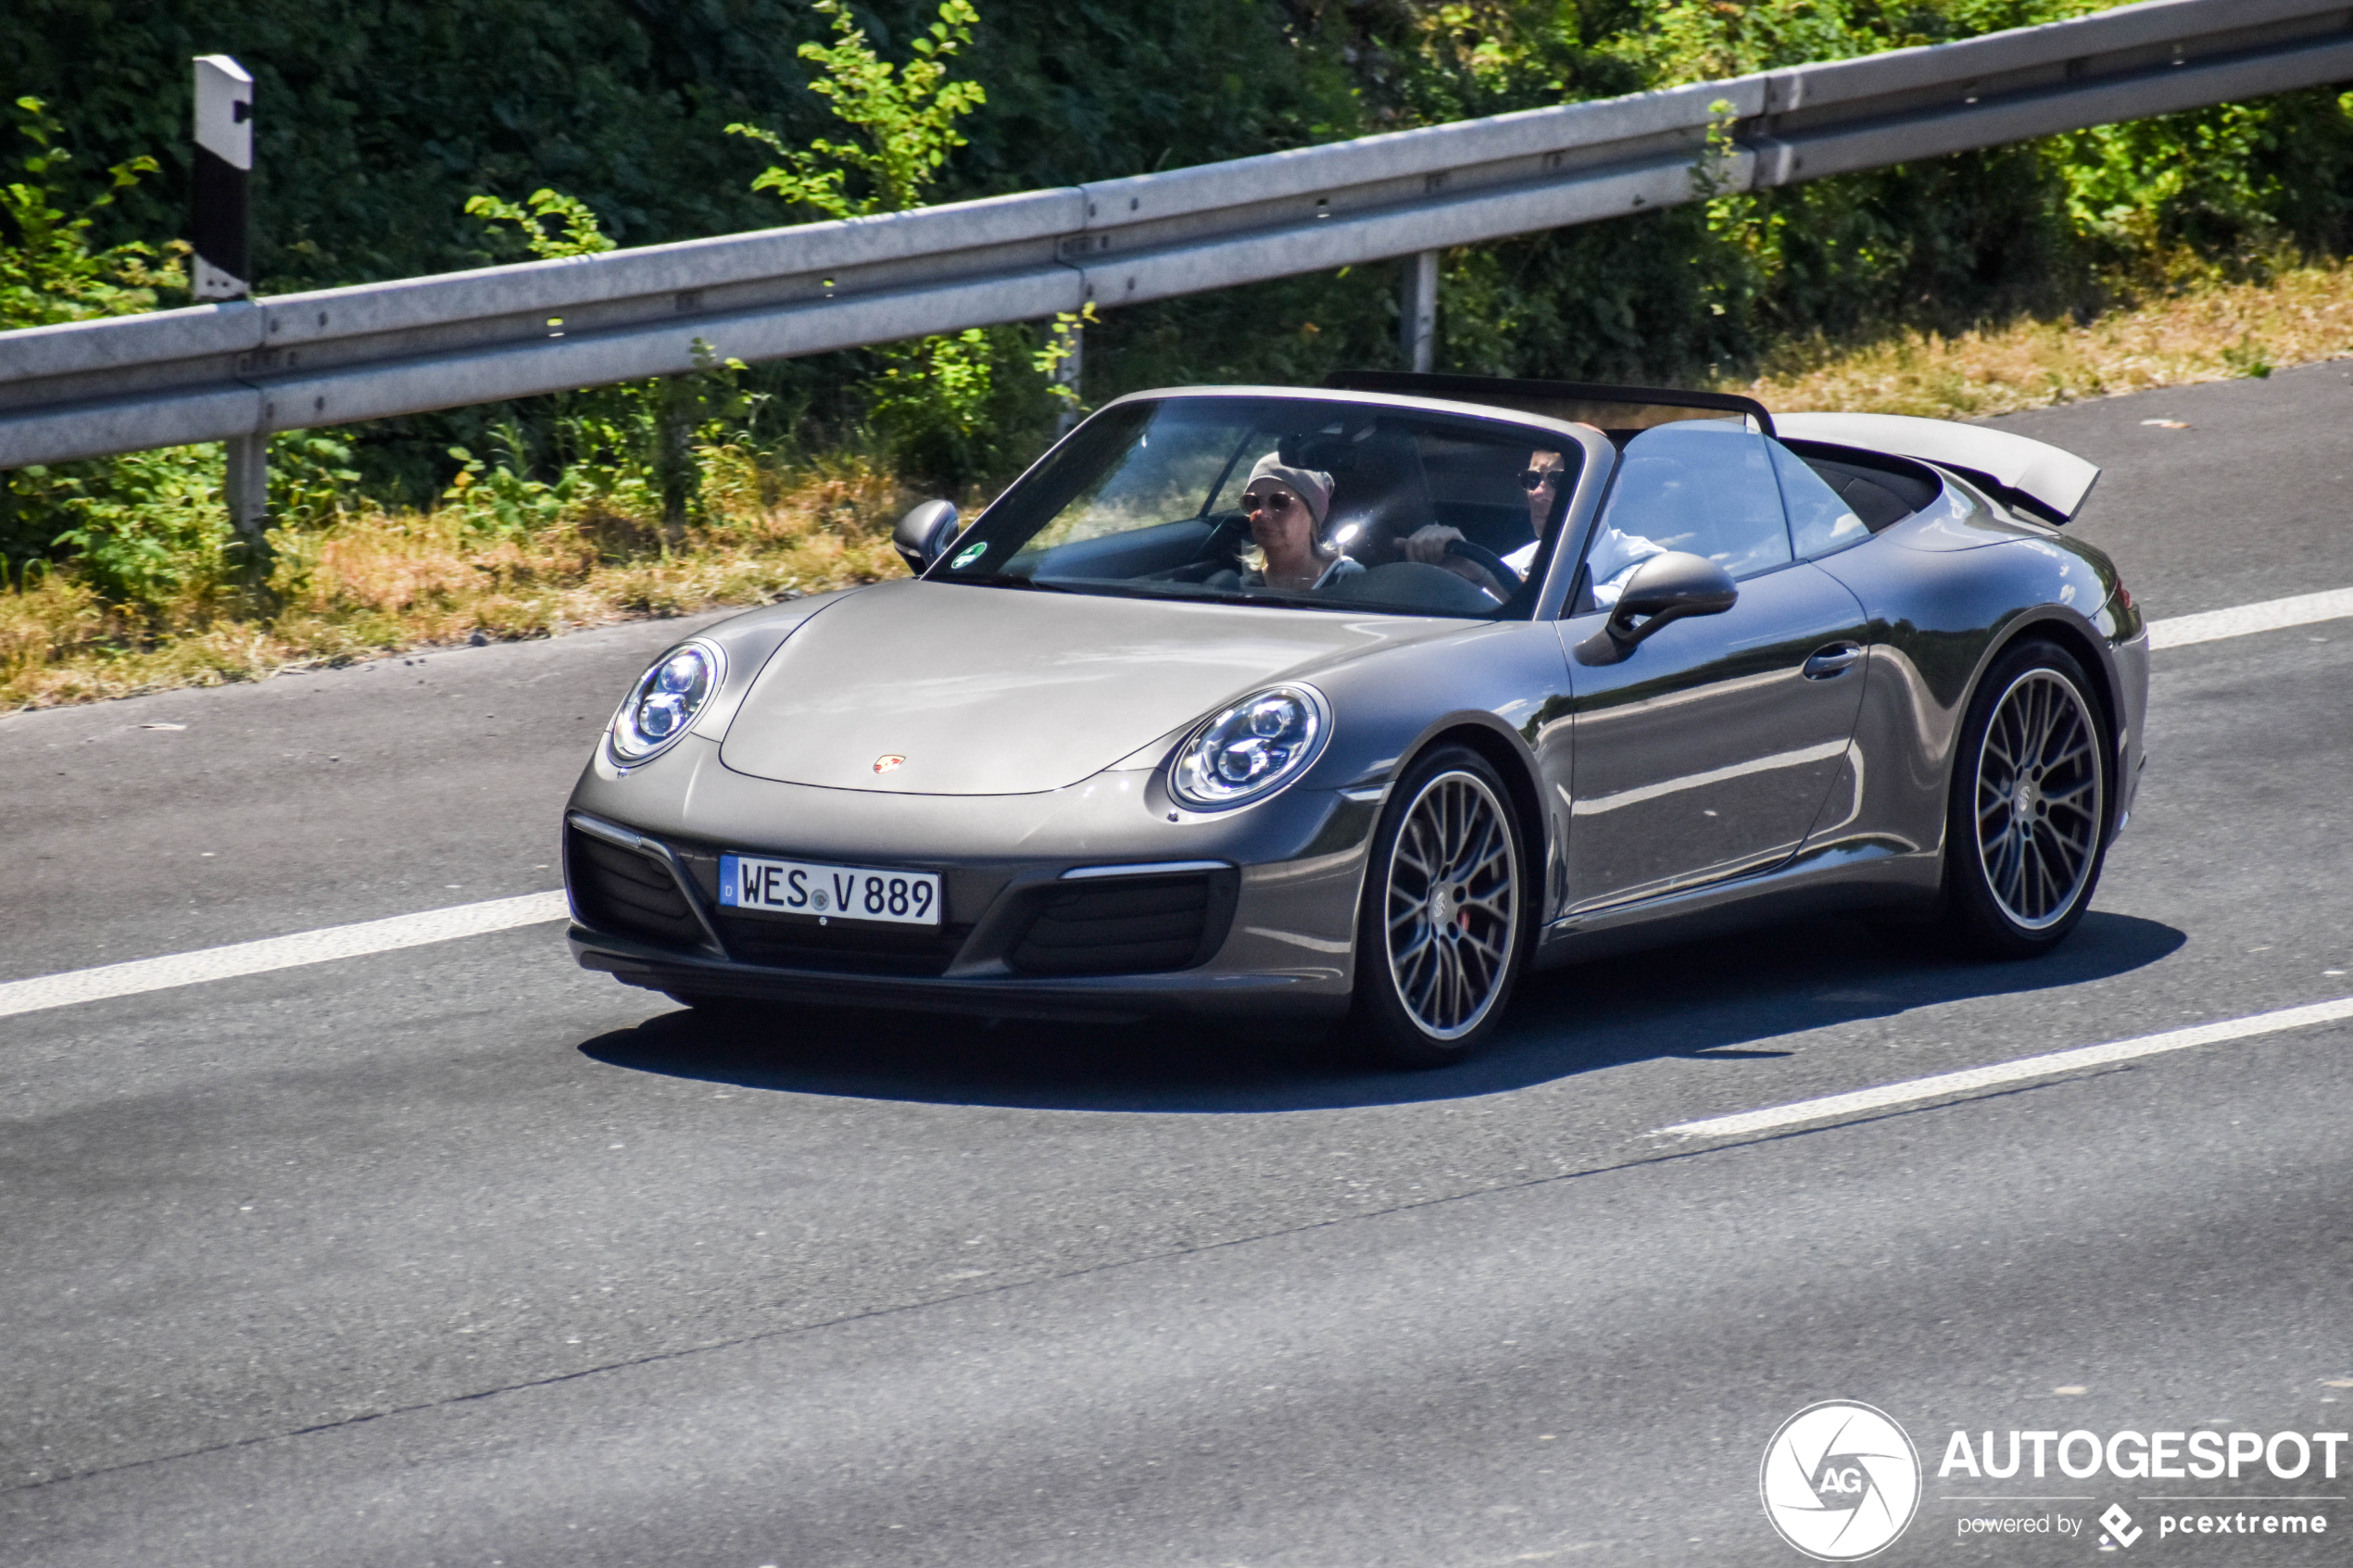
point(1453, 906)
point(2039, 800)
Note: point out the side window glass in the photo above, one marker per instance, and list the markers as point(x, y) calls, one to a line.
point(1694, 485)
point(1819, 520)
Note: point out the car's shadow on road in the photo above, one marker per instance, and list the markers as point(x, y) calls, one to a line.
point(1716, 1000)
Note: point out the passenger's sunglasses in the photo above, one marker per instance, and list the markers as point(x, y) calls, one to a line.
point(1535, 479)
point(1271, 505)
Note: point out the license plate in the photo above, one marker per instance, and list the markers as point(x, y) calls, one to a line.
point(797, 887)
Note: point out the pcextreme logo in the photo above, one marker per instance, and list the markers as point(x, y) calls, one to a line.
point(1839, 1481)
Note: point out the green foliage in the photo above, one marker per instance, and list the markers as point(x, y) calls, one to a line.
point(633, 448)
point(550, 226)
point(147, 530)
point(1061, 347)
point(48, 272)
point(905, 119)
point(632, 444)
point(375, 122)
point(144, 528)
point(937, 403)
point(312, 479)
point(932, 404)
point(2069, 224)
point(501, 499)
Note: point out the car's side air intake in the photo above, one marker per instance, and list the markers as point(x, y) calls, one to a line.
point(628, 893)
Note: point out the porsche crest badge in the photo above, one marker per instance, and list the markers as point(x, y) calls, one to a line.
point(885, 764)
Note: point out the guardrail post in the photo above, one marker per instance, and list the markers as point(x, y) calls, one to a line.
point(220, 228)
point(246, 491)
point(1417, 311)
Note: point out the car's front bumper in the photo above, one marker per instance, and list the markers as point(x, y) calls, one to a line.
point(1273, 888)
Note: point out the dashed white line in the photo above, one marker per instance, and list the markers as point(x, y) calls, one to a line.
point(279, 952)
point(1914, 1090)
point(2271, 615)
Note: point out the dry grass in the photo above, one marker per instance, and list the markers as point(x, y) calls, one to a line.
point(2210, 334)
point(378, 582)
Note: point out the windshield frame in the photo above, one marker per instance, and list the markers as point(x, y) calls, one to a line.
point(1597, 457)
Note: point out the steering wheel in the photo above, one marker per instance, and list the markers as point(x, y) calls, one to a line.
point(1228, 532)
point(1480, 555)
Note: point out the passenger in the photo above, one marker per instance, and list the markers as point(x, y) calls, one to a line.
point(1287, 507)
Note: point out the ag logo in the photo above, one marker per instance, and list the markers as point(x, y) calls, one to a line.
point(1841, 1481)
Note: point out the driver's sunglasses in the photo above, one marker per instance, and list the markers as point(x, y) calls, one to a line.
point(1535, 479)
point(1276, 502)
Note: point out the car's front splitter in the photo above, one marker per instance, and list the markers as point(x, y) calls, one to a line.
point(1307, 995)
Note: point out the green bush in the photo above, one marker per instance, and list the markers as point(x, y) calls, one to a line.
point(49, 269)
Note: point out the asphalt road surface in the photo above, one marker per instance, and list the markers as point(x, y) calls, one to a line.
point(459, 1255)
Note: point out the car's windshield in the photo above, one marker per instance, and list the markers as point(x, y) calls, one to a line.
point(1302, 502)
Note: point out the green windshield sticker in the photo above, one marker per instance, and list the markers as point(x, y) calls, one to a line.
point(968, 555)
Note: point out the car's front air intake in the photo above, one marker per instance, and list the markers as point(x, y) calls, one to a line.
point(1125, 925)
point(628, 893)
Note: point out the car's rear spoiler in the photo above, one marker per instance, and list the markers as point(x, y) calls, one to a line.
point(2023, 473)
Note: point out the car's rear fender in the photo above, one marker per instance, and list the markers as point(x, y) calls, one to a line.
point(2083, 639)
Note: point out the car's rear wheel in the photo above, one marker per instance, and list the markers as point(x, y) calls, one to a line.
point(1441, 936)
point(2026, 833)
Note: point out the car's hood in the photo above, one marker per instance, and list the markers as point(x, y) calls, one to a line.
point(1003, 691)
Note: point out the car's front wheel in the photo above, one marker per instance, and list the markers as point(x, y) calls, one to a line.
point(2025, 836)
point(1439, 936)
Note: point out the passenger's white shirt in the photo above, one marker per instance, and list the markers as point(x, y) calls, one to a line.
point(1615, 556)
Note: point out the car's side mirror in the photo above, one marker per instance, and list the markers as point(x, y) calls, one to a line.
point(1664, 588)
point(924, 533)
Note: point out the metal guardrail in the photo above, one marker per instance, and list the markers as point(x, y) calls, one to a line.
point(335, 356)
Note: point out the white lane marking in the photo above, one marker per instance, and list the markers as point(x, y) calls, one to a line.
point(2271, 615)
point(279, 952)
point(1941, 1084)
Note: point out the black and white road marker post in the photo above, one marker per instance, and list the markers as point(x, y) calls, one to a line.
point(220, 216)
point(220, 229)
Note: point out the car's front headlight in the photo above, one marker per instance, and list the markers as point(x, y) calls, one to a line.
point(666, 699)
point(1251, 749)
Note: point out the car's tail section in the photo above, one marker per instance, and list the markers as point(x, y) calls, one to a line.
point(2021, 472)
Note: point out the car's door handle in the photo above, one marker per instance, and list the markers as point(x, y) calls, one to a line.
point(1836, 659)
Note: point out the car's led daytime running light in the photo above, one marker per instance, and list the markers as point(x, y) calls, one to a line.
point(666, 699)
point(1251, 749)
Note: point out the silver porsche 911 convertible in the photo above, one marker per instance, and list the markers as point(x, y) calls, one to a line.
point(1358, 701)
